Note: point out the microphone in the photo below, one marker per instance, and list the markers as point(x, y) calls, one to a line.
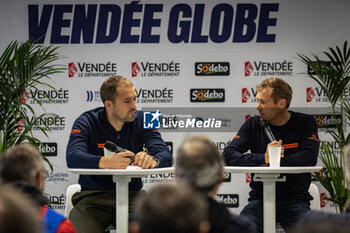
point(267, 130)
point(111, 146)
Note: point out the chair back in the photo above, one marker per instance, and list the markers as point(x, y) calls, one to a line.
point(73, 188)
point(315, 204)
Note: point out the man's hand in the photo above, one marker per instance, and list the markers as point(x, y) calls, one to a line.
point(144, 160)
point(117, 161)
point(274, 143)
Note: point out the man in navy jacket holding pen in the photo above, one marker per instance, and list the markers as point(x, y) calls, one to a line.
point(119, 122)
point(296, 133)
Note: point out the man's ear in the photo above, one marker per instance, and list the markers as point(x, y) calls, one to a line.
point(204, 227)
point(222, 178)
point(108, 105)
point(134, 227)
point(39, 180)
point(282, 103)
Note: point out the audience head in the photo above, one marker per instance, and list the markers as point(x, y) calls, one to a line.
point(16, 212)
point(172, 209)
point(199, 164)
point(23, 162)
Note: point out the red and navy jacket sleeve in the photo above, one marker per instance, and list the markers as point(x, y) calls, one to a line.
point(249, 137)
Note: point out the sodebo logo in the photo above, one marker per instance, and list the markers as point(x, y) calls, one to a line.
point(230, 200)
point(212, 68)
point(48, 149)
point(207, 95)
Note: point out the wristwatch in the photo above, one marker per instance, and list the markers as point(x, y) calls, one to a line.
point(155, 159)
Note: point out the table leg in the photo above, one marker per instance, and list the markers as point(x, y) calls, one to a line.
point(269, 195)
point(122, 203)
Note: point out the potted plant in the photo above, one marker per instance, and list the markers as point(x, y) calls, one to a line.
point(333, 76)
point(23, 66)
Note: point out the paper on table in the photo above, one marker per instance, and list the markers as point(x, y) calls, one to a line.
point(130, 167)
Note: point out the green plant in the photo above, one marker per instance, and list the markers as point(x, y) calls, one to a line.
point(333, 76)
point(23, 66)
point(331, 177)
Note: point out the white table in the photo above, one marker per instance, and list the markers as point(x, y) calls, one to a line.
point(122, 177)
point(269, 177)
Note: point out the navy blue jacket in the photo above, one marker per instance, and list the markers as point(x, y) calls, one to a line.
point(89, 133)
point(301, 144)
point(222, 221)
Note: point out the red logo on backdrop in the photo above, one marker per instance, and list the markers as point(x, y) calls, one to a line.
point(72, 70)
point(310, 94)
point(324, 201)
point(248, 68)
point(248, 177)
point(247, 116)
point(135, 69)
point(25, 97)
point(245, 95)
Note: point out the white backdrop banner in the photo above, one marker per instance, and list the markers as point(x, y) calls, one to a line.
point(179, 54)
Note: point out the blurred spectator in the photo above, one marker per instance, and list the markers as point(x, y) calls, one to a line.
point(17, 214)
point(169, 208)
point(23, 166)
point(200, 166)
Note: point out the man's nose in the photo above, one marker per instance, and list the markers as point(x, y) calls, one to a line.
point(133, 104)
point(258, 106)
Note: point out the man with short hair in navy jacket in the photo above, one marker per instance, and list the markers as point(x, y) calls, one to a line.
point(296, 133)
point(118, 121)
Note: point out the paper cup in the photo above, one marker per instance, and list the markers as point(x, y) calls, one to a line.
point(274, 156)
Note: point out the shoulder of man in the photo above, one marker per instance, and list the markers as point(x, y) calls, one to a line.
point(51, 220)
point(97, 113)
point(58, 223)
point(253, 121)
point(302, 116)
point(66, 226)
